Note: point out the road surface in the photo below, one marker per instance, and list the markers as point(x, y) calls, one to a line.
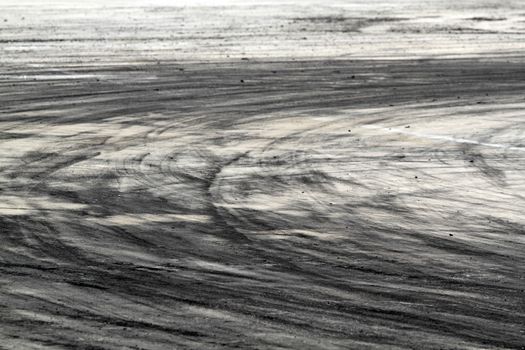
point(262, 175)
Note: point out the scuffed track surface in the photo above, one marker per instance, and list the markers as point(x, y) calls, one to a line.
point(276, 202)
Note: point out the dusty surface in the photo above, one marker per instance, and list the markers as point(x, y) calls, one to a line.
point(273, 175)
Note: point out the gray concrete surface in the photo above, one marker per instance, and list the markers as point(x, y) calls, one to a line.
point(277, 175)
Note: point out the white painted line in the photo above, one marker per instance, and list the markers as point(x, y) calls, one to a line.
point(443, 138)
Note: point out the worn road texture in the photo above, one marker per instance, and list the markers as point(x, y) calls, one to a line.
point(277, 175)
